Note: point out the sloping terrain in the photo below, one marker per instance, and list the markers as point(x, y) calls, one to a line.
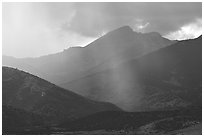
point(165, 120)
point(14, 119)
point(131, 123)
point(166, 79)
point(162, 89)
point(126, 123)
point(30, 93)
point(107, 51)
point(195, 129)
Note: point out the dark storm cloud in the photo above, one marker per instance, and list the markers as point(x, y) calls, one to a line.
point(91, 19)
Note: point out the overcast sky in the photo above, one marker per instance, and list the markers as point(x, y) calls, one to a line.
point(35, 29)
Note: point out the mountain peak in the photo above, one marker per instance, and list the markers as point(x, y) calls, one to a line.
point(200, 37)
point(115, 37)
point(123, 29)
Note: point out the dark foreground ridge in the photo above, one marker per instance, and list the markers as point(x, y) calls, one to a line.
point(112, 122)
point(23, 92)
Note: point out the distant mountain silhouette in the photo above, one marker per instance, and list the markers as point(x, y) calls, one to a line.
point(106, 52)
point(166, 79)
point(27, 92)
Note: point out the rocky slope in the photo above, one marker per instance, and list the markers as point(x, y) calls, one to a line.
point(24, 91)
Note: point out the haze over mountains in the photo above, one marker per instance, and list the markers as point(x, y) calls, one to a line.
point(111, 49)
point(118, 68)
point(165, 79)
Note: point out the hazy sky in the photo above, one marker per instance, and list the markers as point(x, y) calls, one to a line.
point(35, 29)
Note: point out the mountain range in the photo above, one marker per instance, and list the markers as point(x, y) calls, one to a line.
point(124, 81)
point(109, 50)
point(126, 68)
point(168, 78)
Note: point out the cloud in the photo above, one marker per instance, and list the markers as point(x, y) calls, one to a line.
point(140, 25)
point(93, 18)
point(34, 29)
point(189, 31)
